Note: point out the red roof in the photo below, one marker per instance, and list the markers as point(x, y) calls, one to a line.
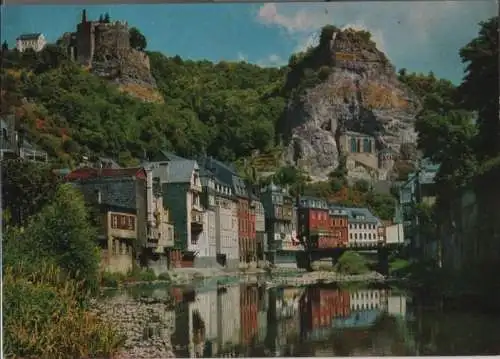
point(88, 173)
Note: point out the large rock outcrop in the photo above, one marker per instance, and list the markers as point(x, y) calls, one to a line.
point(356, 89)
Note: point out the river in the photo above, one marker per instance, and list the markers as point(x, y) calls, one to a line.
point(319, 320)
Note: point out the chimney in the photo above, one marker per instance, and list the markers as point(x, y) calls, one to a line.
point(84, 16)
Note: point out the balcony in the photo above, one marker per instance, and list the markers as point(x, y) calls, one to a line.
point(196, 222)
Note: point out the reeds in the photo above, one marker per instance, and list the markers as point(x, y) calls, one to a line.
point(44, 318)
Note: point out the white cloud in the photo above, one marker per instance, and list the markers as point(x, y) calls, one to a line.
point(395, 26)
point(242, 56)
point(272, 60)
point(301, 20)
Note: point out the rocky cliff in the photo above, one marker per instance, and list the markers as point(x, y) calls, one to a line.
point(344, 84)
point(104, 47)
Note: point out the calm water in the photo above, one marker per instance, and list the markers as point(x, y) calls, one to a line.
point(250, 320)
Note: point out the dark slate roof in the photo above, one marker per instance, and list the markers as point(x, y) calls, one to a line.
point(354, 213)
point(225, 174)
point(170, 156)
point(91, 173)
point(181, 171)
point(33, 36)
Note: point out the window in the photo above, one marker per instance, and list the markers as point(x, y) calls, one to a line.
point(353, 145)
point(350, 235)
point(367, 145)
point(355, 236)
point(364, 236)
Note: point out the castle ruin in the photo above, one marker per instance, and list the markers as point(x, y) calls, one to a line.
point(104, 48)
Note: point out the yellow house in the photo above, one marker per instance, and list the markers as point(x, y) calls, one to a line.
point(120, 233)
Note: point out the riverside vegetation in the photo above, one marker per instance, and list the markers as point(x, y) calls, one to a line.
point(227, 110)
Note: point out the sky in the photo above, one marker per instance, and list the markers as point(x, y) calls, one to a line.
point(419, 36)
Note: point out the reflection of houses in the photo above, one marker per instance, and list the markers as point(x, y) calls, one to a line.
point(320, 307)
point(396, 305)
point(368, 299)
point(249, 299)
point(229, 318)
point(119, 197)
point(282, 241)
point(14, 145)
point(182, 190)
point(203, 324)
point(363, 227)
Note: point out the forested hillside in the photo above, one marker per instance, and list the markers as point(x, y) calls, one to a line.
point(224, 109)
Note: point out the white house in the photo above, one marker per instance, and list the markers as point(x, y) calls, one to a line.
point(363, 227)
point(36, 42)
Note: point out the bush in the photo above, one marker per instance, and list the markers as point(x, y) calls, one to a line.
point(43, 317)
point(60, 235)
point(141, 275)
point(351, 263)
point(113, 280)
point(164, 276)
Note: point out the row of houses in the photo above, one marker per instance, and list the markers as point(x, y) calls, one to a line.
point(178, 212)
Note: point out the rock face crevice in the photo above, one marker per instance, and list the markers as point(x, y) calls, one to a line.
point(361, 94)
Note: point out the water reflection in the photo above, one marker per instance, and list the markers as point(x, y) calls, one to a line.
point(248, 320)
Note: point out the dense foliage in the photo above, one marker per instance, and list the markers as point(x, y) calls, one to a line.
point(50, 269)
point(26, 188)
point(227, 110)
point(459, 127)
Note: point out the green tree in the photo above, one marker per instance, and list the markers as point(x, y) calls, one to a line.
point(107, 18)
point(5, 46)
point(61, 234)
point(137, 39)
point(479, 89)
point(26, 187)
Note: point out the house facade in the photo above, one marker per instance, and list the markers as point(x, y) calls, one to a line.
point(35, 42)
point(282, 241)
point(207, 245)
point(260, 227)
point(13, 143)
point(339, 237)
point(363, 228)
point(418, 189)
point(246, 214)
point(182, 193)
point(120, 203)
point(314, 221)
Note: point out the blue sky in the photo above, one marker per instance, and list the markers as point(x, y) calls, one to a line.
point(420, 36)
